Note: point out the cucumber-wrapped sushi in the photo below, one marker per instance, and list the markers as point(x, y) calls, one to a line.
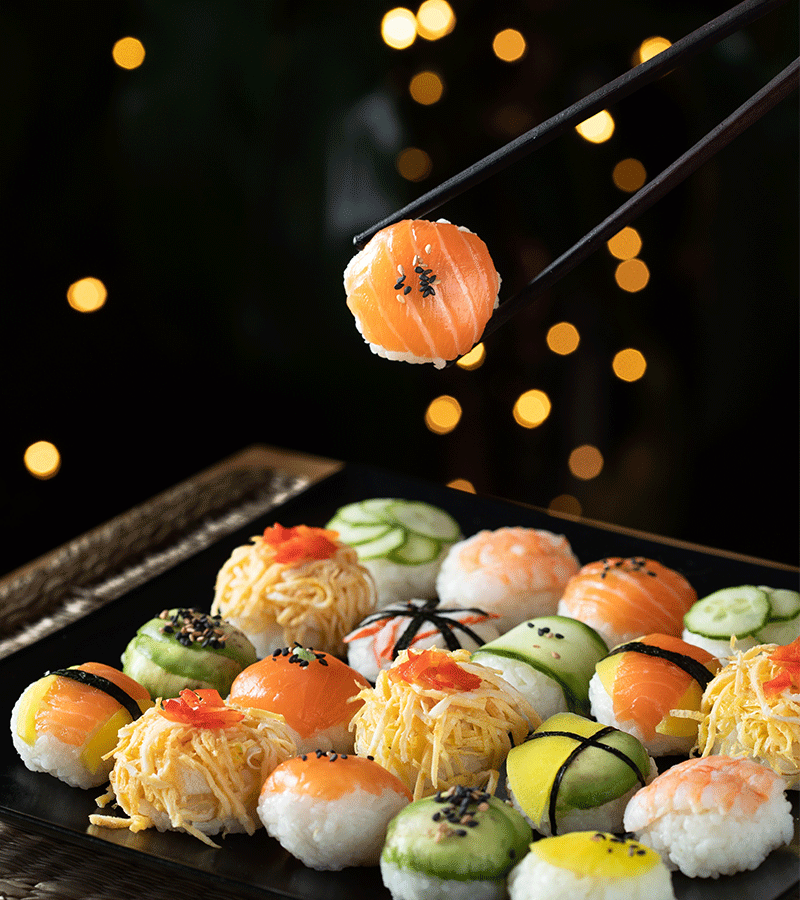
point(748, 614)
point(574, 774)
point(549, 660)
point(185, 648)
point(65, 722)
point(458, 843)
point(401, 542)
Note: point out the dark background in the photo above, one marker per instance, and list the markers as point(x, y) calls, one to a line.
point(216, 189)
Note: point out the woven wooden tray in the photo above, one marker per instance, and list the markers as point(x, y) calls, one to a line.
point(77, 578)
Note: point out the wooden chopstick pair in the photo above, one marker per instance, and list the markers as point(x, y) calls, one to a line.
point(748, 113)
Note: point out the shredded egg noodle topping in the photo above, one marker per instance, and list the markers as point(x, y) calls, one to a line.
point(175, 776)
point(738, 717)
point(315, 601)
point(434, 738)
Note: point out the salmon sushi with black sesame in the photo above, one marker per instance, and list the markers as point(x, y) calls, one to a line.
point(422, 291)
point(329, 810)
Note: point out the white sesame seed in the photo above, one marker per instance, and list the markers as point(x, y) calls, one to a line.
point(427, 248)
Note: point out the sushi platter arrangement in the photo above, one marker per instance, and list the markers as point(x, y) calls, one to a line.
point(392, 688)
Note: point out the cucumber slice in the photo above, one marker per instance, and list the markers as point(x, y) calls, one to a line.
point(383, 545)
point(785, 603)
point(738, 611)
point(378, 508)
point(358, 534)
point(357, 514)
point(416, 550)
point(779, 631)
point(424, 519)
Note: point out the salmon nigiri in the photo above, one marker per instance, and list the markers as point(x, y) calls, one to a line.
point(640, 684)
point(65, 722)
point(422, 291)
point(623, 598)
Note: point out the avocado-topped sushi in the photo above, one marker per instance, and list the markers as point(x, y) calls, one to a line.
point(186, 648)
point(574, 774)
point(550, 660)
point(457, 843)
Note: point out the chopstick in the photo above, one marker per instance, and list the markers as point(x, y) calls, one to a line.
point(748, 113)
point(646, 72)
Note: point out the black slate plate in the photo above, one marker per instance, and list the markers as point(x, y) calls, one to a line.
point(257, 866)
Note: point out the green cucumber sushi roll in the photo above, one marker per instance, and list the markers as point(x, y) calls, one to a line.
point(587, 865)
point(457, 843)
point(185, 648)
point(573, 774)
point(550, 660)
point(401, 542)
point(750, 614)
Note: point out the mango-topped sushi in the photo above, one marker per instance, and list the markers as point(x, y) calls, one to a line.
point(421, 291)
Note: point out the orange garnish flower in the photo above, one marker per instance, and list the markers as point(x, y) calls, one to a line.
point(203, 708)
point(787, 659)
point(434, 669)
point(301, 543)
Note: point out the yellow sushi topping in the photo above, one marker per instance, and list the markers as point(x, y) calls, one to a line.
point(597, 854)
point(186, 776)
point(741, 716)
point(450, 722)
point(316, 601)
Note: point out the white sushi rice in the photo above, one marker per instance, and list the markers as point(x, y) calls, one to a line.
point(720, 648)
point(398, 582)
point(543, 693)
point(49, 754)
point(404, 884)
point(602, 706)
point(535, 879)
point(333, 834)
point(705, 843)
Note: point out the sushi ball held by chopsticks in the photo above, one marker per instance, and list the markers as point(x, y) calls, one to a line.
point(422, 291)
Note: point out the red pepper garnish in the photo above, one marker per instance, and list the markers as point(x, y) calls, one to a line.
point(434, 669)
point(203, 708)
point(787, 659)
point(300, 543)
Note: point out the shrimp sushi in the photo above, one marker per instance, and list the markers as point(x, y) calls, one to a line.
point(622, 598)
point(640, 685)
point(65, 722)
point(590, 865)
point(458, 843)
point(330, 810)
point(712, 816)
point(516, 573)
point(313, 691)
point(422, 291)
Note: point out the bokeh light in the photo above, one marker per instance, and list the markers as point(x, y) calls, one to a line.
point(128, 53)
point(426, 88)
point(649, 48)
point(435, 19)
point(42, 460)
point(509, 45)
point(87, 294)
point(625, 244)
point(565, 503)
point(563, 338)
point(461, 484)
point(629, 175)
point(632, 275)
point(399, 28)
point(597, 128)
point(474, 359)
point(629, 364)
point(443, 414)
point(531, 408)
point(414, 164)
point(586, 462)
